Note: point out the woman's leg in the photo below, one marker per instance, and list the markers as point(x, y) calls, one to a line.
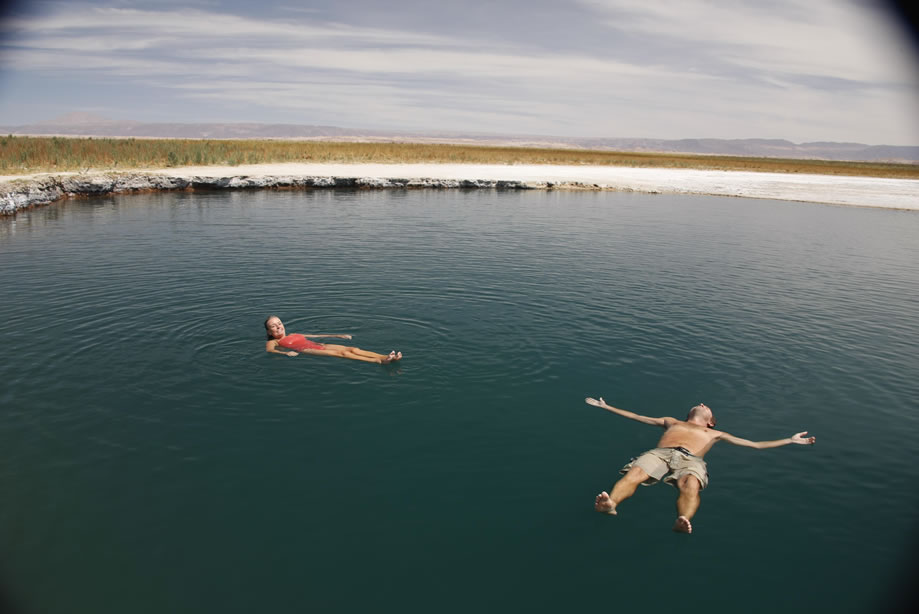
point(367, 353)
point(343, 351)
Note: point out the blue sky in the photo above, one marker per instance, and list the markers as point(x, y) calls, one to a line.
point(833, 70)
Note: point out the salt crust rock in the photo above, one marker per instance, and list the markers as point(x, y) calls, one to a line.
point(21, 194)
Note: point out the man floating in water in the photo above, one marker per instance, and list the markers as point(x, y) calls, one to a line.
point(678, 459)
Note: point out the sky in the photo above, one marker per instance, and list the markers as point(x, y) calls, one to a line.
point(821, 70)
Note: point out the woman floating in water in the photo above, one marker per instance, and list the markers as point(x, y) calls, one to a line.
point(296, 343)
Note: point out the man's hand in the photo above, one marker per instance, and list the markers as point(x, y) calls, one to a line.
point(627, 414)
point(801, 439)
point(291, 354)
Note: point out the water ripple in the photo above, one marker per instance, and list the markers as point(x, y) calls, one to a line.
point(137, 393)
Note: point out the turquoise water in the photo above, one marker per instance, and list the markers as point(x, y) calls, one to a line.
point(153, 458)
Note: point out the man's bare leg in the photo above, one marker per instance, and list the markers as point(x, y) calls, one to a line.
point(622, 490)
point(687, 503)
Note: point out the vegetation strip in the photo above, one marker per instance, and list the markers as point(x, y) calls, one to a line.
point(28, 155)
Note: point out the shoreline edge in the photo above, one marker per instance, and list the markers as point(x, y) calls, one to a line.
point(25, 192)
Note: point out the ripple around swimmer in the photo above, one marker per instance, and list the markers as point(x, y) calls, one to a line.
point(139, 407)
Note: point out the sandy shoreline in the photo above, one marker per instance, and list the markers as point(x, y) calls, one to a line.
point(827, 189)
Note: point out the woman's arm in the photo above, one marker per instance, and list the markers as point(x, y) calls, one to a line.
point(626, 414)
point(271, 346)
point(798, 438)
point(336, 336)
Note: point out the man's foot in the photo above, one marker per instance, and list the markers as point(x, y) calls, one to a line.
point(682, 525)
point(604, 504)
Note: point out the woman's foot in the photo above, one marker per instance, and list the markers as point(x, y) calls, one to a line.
point(393, 356)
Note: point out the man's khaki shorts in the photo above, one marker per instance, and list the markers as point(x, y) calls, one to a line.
point(669, 464)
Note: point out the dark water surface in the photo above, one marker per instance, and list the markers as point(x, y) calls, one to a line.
point(153, 458)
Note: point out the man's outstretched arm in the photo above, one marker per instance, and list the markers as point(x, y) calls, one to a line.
point(798, 438)
point(627, 414)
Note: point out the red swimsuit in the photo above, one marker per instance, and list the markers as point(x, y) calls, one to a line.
point(298, 343)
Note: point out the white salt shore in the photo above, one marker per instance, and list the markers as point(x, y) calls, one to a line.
point(828, 189)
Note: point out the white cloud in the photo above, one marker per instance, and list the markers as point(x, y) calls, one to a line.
point(828, 38)
point(198, 26)
point(754, 72)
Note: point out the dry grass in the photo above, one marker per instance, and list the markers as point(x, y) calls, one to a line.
point(25, 155)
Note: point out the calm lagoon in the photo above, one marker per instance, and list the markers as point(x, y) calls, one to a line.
point(156, 459)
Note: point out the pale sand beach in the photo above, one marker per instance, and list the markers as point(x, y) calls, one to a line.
point(828, 189)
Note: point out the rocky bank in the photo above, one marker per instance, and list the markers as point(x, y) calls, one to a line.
point(18, 194)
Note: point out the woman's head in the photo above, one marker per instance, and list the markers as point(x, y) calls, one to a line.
point(274, 327)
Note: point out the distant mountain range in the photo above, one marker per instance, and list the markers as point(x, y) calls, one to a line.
point(85, 124)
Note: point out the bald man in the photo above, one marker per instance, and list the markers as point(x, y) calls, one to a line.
point(677, 459)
